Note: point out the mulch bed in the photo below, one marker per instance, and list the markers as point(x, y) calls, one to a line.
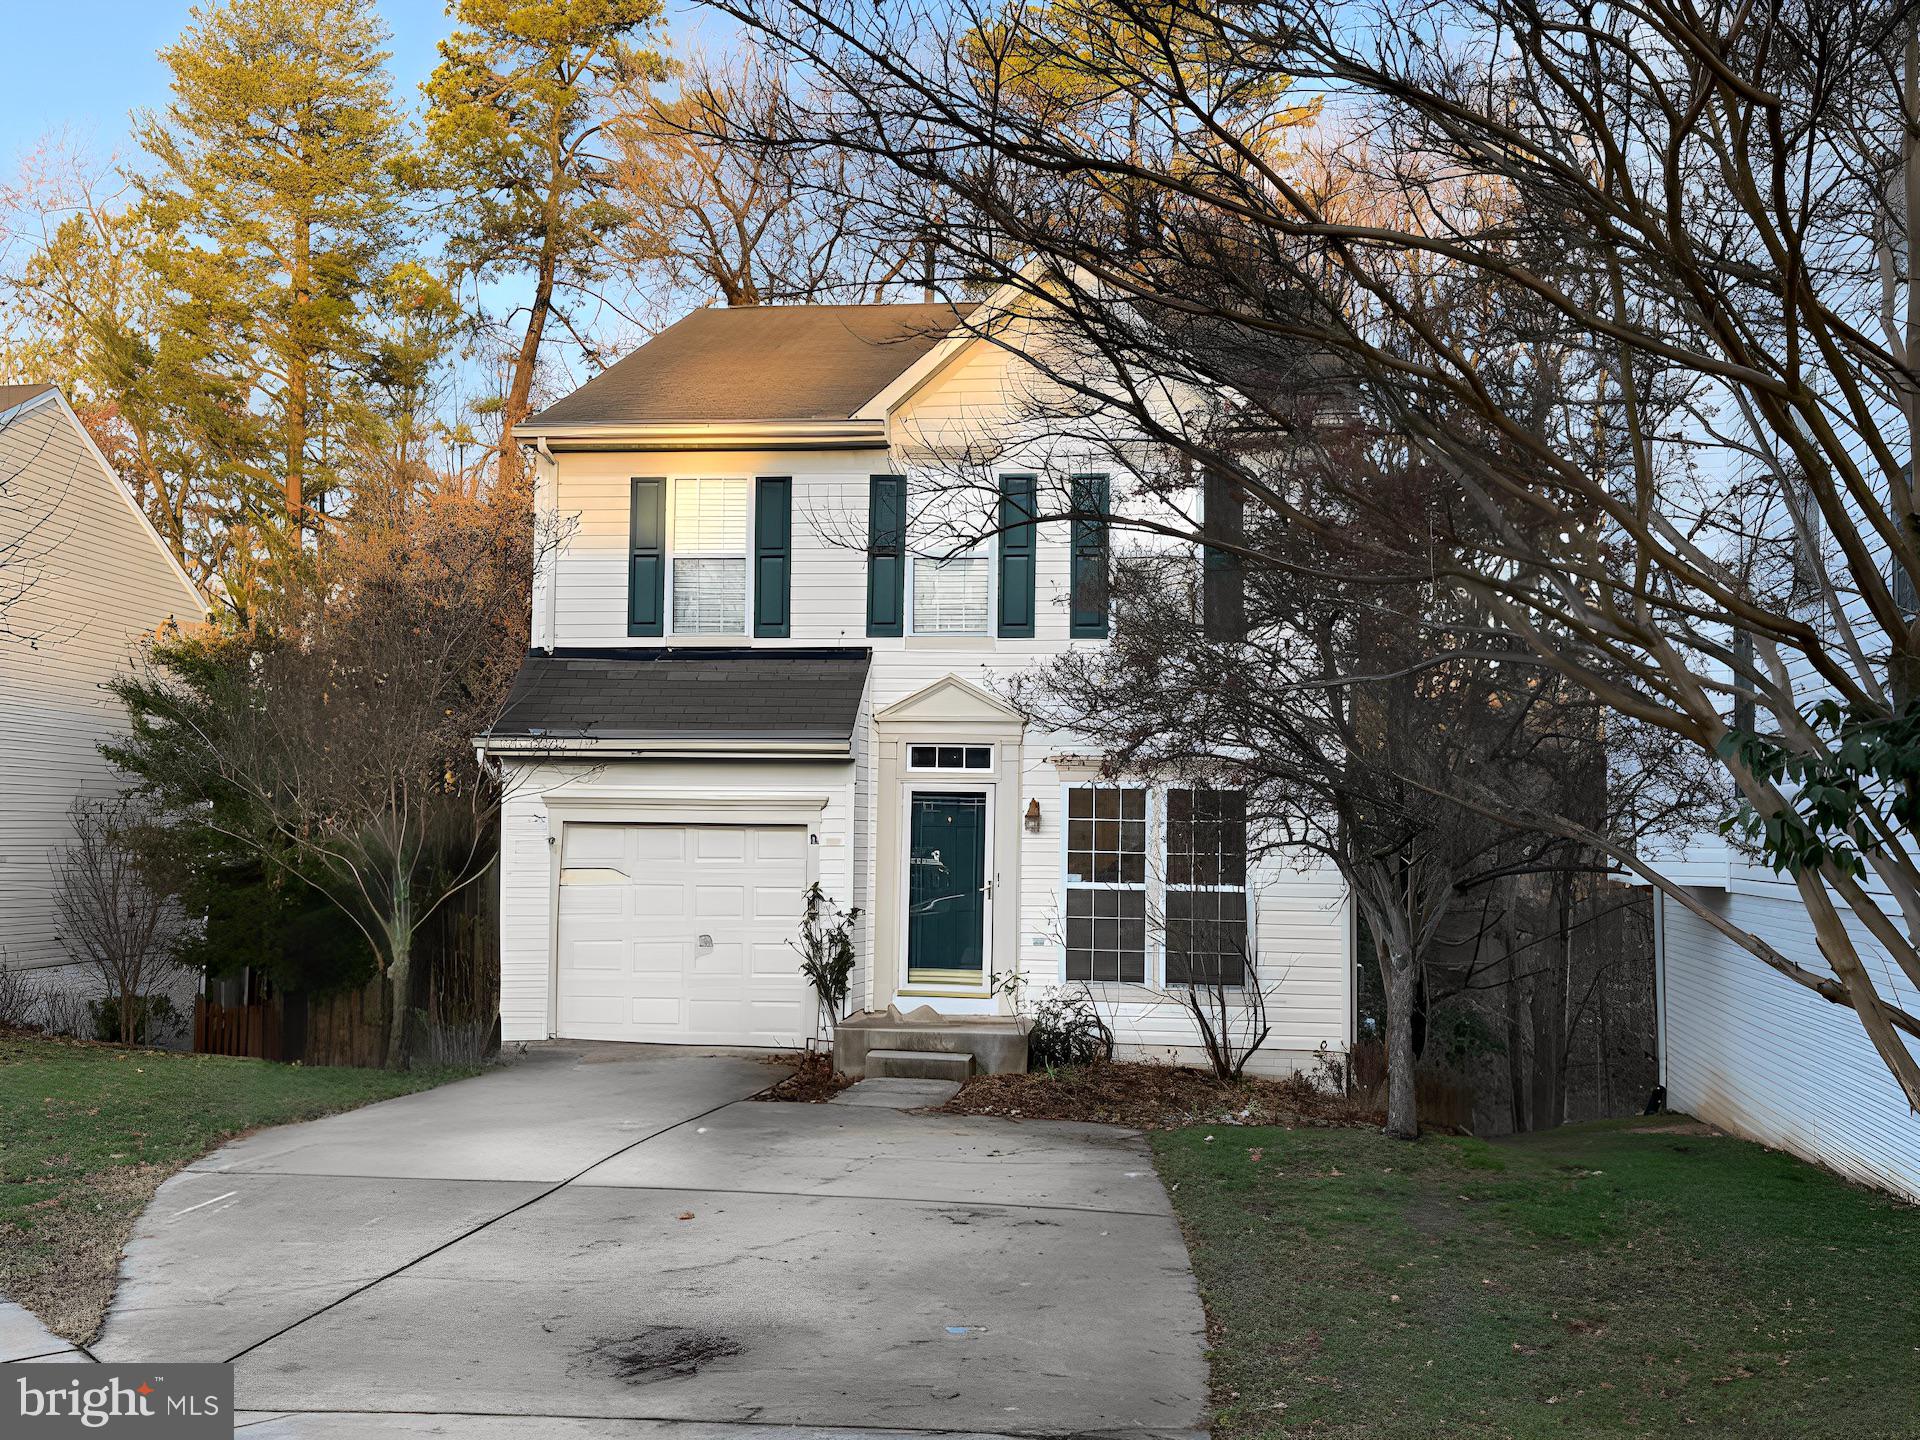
point(813, 1083)
point(1157, 1097)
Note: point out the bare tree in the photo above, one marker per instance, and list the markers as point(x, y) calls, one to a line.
point(113, 918)
point(1645, 299)
point(723, 217)
point(338, 745)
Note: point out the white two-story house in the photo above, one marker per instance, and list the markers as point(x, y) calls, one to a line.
point(754, 669)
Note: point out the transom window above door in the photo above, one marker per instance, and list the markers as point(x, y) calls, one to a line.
point(950, 757)
point(708, 543)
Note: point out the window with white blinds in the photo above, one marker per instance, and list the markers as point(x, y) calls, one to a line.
point(709, 547)
point(950, 595)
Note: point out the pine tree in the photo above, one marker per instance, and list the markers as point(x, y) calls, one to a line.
point(515, 114)
point(274, 184)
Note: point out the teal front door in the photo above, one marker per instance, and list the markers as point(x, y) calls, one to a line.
point(947, 888)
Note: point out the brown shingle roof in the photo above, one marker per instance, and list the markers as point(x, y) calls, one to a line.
point(764, 362)
point(12, 395)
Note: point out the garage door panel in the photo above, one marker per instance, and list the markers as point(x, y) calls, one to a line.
point(631, 963)
point(659, 902)
point(596, 845)
point(775, 960)
point(720, 902)
point(659, 957)
point(720, 960)
point(728, 843)
point(662, 1012)
point(784, 844)
point(601, 955)
point(654, 843)
point(776, 903)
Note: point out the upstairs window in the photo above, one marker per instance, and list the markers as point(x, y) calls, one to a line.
point(708, 538)
point(950, 594)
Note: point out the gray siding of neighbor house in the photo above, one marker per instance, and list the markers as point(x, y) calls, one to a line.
point(1750, 1051)
point(99, 582)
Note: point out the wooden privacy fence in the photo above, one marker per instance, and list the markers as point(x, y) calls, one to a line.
point(252, 1030)
point(455, 980)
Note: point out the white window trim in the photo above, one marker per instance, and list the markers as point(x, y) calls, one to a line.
point(672, 551)
point(989, 555)
point(1153, 957)
point(1155, 886)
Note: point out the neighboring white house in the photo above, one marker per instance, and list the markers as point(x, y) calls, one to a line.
point(1745, 1048)
point(86, 580)
point(744, 680)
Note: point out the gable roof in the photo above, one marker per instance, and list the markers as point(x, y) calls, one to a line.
point(761, 362)
point(12, 395)
point(665, 697)
point(21, 397)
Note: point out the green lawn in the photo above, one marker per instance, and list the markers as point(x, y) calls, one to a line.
point(88, 1132)
point(1596, 1280)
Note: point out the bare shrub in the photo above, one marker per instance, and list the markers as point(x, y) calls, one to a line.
point(19, 998)
point(125, 928)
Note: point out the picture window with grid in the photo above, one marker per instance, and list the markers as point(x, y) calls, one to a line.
point(1107, 884)
point(1206, 905)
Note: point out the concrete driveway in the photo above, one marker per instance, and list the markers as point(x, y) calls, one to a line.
point(615, 1242)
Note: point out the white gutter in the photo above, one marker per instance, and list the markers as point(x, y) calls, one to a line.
point(828, 434)
point(574, 746)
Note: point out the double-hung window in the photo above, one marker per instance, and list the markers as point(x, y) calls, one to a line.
point(1206, 910)
point(708, 541)
point(1107, 883)
point(951, 594)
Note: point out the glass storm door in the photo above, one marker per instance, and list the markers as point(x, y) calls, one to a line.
point(946, 888)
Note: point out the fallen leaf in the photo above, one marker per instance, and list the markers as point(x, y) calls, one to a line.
point(686, 1214)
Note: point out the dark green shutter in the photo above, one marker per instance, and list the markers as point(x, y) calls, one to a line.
point(772, 556)
point(1223, 582)
point(1089, 575)
point(1016, 557)
point(886, 554)
point(647, 559)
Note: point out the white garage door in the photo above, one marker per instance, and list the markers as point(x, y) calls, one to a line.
point(680, 933)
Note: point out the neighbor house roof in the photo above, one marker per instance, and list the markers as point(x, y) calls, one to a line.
point(711, 698)
point(760, 362)
point(12, 395)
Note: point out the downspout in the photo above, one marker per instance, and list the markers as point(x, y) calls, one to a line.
point(1660, 984)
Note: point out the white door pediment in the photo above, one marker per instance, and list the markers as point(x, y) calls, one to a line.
point(950, 700)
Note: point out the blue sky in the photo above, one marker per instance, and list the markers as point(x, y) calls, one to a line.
point(120, 40)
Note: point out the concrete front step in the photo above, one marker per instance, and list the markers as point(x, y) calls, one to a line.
point(919, 1064)
point(991, 1044)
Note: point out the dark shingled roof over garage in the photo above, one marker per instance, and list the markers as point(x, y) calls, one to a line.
point(759, 362)
point(678, 695)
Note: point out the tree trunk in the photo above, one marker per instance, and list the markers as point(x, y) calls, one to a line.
point(298, 397)
point(399, 972)
point(128, 1031)
point(1397, 979)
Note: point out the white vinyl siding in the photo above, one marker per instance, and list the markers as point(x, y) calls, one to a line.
point(950, 594)
point(707, 540)
point(1747, 1049)
point(70, 635)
